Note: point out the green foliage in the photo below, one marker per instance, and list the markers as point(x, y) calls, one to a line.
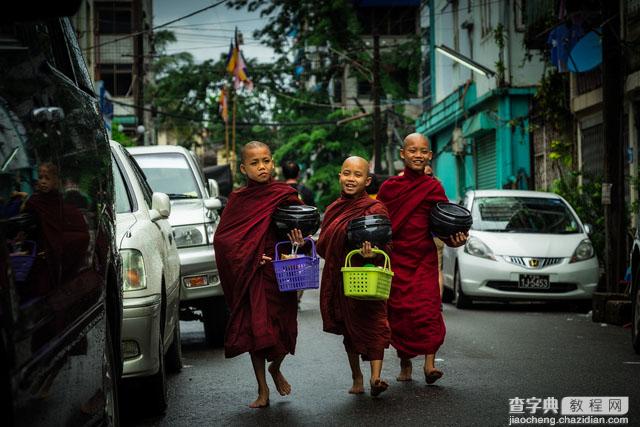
point(551, 103)
point(121, 137)
point(586, 199)
point(323, 149)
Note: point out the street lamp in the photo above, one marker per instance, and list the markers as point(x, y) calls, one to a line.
point(467, 62)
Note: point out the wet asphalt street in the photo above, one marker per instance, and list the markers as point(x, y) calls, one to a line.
point(492, 353)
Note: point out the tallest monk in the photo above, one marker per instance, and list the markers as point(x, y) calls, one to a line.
point(414, 306)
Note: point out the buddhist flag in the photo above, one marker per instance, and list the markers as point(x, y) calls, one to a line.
point(232, 58)
point(240, 76)
point(223, 107)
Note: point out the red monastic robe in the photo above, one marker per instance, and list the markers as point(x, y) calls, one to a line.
point(262, 319)
point(363, 324)
point(417, 326)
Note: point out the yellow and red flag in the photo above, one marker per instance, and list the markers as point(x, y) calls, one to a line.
point(223, 107)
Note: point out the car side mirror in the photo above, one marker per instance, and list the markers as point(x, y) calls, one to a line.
point(160, 206)
point(212, 203)
point(588, 228)
point(214, 190)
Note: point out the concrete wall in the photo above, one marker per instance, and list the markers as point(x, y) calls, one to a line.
point(480, 45)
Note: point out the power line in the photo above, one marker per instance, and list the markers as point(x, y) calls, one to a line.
point(159, 26)
point(239, 124)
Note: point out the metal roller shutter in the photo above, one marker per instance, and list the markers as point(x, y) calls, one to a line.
point(486, 162)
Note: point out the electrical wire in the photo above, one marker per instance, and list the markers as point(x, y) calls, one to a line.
point(238, 124)
point(166, 24)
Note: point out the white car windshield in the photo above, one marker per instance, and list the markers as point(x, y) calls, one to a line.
point(169, 173)
point(523, 215)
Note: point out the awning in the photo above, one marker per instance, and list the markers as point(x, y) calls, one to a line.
point(477, 125)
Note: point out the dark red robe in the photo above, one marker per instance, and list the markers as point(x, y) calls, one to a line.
point(363, 324)
point(417, 326)
point(262, 319)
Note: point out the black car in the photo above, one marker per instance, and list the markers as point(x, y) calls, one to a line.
point(60, 277)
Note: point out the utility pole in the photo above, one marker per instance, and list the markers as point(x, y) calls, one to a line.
point(377, 141)
point(614, 151)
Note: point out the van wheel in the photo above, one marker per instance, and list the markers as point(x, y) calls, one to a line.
point(158, 383)
point(174, 354)
point(215, 317)
point(462, 301)
point(110, 382)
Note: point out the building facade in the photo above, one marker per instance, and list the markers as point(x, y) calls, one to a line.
point(477, 119)
point(117, 41)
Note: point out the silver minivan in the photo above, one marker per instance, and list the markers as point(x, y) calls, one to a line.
point(175, 171)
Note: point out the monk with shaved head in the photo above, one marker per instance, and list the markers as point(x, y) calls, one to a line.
point(415, 317)
point(263, 320)
point(363, 324)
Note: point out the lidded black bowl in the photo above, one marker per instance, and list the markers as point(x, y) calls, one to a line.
point(448, 219)
point(372, 228)
point(286, 218)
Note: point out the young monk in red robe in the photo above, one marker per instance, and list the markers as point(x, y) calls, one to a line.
point(362, 323)
point(263, 320)
point(417, 326)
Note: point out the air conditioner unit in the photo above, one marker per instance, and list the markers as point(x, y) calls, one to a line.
point(458, 143)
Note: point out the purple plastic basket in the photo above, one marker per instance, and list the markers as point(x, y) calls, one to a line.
point(296, 274)
point(21, 264)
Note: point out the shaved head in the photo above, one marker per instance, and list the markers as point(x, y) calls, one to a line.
point(415, 137)
point(251, 145)
point(354, 176)
point(356, 162)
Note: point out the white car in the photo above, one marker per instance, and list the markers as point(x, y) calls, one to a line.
point(523, 245)
point(174, 170)
point(150, 276)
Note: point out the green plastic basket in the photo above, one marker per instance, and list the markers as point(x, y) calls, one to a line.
point(368, 283)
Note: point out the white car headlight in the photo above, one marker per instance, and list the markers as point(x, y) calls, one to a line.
point(583, 252)
point(189, 235)
point(476, 247)
point(134, 277)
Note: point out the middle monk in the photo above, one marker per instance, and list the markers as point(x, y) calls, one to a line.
point(363, 324)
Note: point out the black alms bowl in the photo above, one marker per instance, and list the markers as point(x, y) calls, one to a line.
point(370, 228)
point(286, 218)
point(448, 219)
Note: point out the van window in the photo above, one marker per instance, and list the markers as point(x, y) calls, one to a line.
point(123, 197)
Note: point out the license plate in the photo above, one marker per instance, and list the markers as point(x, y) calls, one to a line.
point(533, 281)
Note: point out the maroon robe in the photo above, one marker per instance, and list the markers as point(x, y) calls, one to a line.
point(417, 326)
point(262, 319)
point(363, 324)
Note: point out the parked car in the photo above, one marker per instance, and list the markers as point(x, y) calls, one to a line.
point(150, 279)
point(635, 293)
point(175, 171)
point(60, 281)
point(523, 245)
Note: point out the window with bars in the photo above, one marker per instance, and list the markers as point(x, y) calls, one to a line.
point(117, 78)
point(485, 17)
point(114, 18)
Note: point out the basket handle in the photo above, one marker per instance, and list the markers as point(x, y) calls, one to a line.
point(387, 261)
point(308, 239)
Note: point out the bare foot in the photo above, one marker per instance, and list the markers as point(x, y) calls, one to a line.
point(260, 402)
point(378, 386)
point(358, 386)
point(283, 387)
point(405, 370)
point(432, 376)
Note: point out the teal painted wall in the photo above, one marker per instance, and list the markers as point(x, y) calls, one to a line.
point(445, 167)
point(510, 108)
point(513, 150)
